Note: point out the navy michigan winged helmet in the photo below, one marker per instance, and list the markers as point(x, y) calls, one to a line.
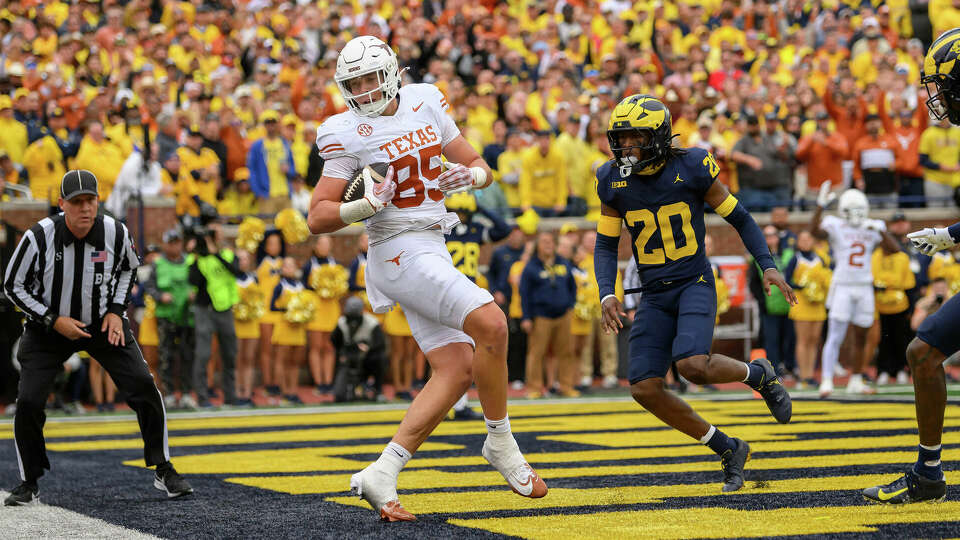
point(640, 122)
point(941, 75)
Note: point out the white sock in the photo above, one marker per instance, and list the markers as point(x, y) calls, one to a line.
point(706, 438)
point(394, 458)
point(498, 428)
point(461, 403)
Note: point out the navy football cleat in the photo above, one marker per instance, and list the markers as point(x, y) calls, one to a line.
point(773, 392)
point(909, 488)
point(732, 462)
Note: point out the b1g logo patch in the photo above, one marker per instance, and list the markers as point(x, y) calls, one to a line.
point(365, 130)
point(97, 279)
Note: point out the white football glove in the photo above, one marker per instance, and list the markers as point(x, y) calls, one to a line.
point(826, 197)
point(929, 241)
point(875, 225)
point(457, 178)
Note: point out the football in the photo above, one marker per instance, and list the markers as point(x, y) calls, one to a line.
point(354, 189)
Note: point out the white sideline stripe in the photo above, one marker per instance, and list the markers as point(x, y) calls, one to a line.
point(43, 521)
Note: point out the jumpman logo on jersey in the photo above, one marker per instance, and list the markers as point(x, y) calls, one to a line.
point(700, 280)
point(678, 179)
point(395, 260)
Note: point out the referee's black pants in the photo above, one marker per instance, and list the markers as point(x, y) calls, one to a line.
point(41, 357)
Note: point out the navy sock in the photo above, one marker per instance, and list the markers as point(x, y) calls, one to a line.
point(755, 376)
point(928, 463)
point(719, 442)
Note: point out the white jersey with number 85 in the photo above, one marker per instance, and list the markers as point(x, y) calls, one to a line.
point(412, 141)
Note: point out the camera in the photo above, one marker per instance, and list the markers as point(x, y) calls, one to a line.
point(939, 299)
point(196, 227)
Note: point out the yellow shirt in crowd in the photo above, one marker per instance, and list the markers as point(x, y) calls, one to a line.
point(892, 273)
point(43, 161)
point(543, 178)
point(942, 146)
point(276, 158)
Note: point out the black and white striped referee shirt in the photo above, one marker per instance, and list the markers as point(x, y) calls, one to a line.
point(52, 271)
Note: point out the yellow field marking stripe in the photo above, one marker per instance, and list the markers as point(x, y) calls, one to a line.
point(488, 501)
point(538, 425)
point(415, 478)
point(530, 417)
point(760, 440)
point(323, 458)
point(689, 522)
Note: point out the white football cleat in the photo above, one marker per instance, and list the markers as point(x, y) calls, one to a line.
point(826, 388)
point(521, 477)
point(856, 386)
point(883, 379)
point(610, 381)
point(903, 378)
point(380, 490)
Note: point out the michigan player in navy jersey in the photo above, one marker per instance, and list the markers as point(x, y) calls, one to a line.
point(477, 227)
point(937, 338)
point(463, 243)
point(659, 191)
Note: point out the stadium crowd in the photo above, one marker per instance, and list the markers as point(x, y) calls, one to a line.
point(216, 104)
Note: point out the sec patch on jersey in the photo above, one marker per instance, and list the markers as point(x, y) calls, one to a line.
point(354, 189)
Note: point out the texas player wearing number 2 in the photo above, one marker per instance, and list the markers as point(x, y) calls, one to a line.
point(457, 325)
point(659, 191)
point(853, 237)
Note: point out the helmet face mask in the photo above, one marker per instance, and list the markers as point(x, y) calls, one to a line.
point(362, 59)
point(944, 97)
point(941, 76)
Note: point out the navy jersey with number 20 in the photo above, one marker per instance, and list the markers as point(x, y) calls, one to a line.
point(664, 214)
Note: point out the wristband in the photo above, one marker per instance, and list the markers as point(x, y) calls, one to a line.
point(479, 176)
point(604, 299)
point(354, 211)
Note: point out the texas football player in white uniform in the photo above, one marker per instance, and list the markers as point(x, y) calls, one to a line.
point(852, 238)
point(460, 329)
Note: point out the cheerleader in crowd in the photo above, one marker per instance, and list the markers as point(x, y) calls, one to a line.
point(147, 336)
point(327, 282)
point(810, 276)
point(247, 315)
point(104, 391)
point(358, 268)
point(270, 254)
point(403, 352)
point(292, 309)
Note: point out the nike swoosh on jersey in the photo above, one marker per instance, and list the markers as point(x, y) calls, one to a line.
point(417, 108)
point(887, 496)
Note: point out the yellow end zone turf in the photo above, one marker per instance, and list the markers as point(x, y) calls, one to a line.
point(715, 522)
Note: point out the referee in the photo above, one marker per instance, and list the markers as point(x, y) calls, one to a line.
point(71, 275)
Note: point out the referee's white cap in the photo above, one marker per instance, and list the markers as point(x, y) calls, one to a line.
point(78, 182)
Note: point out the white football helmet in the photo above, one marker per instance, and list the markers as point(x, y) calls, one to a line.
point(854, 207)
point(363, 55)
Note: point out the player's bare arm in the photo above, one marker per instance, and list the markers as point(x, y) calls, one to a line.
point(324, 214)
point(605, 261)
point(824, 199)
point(727, 206)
